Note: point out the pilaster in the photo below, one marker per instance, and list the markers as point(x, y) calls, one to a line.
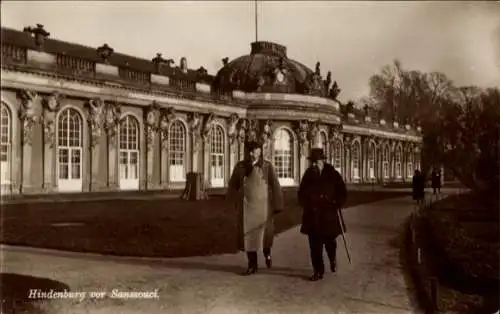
point(29, 115)
point(96, 123)
point(151, 127)
point(51, 105)
point(302, 129)
point(111, 124)
point(266, 138)
point(233, 135)
point(208, 124)
point(195, 128)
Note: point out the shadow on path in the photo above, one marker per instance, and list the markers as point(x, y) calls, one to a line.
point(16, 289)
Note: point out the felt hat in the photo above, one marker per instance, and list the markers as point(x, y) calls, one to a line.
point(317, 154)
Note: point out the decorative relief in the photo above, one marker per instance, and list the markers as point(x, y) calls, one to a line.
point(334, 131)
point(313, 131)
point(195, 126)
point(152, 120)
point(112, 120)
point(251, 131)
point(51, 104)
point(207, 125)
point(303, 130)
point(29, 114)
point(166, 117)
point(96, 119)
point(242, 128)
point(266, 131)
point(232, 127)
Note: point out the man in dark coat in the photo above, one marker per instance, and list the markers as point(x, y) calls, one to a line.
point(321, 194)
point(418, 186)
point(436, 181)
point(255, 188)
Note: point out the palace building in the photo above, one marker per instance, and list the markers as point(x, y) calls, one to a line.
point(81, 119)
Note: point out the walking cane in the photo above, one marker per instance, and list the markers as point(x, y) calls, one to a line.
point(341, 221)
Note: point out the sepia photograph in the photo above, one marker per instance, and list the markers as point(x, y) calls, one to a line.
point(252, 156)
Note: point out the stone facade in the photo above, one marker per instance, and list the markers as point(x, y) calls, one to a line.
point(80, 122)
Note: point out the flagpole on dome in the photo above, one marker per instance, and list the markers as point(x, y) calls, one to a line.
point(256, 23)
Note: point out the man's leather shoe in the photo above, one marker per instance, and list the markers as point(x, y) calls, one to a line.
point(250, 271)
point(333, 267)
point(269, 261)
point(316, 277)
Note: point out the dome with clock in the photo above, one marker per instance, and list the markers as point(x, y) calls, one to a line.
point(267, 69)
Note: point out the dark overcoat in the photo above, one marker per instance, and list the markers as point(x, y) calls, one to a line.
point(322, 196)
point(436, 179)
point(418, 187)
point(235, 194)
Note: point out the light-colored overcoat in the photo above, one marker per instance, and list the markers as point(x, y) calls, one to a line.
point(256, 194)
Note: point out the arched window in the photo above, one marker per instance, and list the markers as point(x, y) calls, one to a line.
point(385, 162)
point(409, 163)
point(337, 155)
point(283, 156)
point(69, 150)
point(177, 151)
point(397, 160)
point(348, 162)
point(355, 160)
point(323, 141)
point(416, 160)
point(129, 153)
point(217, 155)
point(371, 161)
point(5, 144)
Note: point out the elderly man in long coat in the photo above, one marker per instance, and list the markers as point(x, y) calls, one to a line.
point(322, 192)
point(257, 192)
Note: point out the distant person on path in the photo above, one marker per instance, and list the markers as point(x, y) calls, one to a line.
point(418, 186)
point(257, 192)
point(322, 193)
point(436, 181)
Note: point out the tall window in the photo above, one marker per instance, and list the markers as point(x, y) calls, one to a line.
point(69, 150)
point(416, 160)
point(129, 153)
point(385, 161)
point(371, 161)
point(409, 164)
point(323, 141)
point(177, 151)
point(283, 156)
point(5, 144)
point(355, 160)
point(337, 155)
point(217, 155)
point(398, 162)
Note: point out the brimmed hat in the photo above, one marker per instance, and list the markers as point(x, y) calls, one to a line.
point(317, 154)
point(251, 145)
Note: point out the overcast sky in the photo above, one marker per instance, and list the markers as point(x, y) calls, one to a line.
point(352, 39)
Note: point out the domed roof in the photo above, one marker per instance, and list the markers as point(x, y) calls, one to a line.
point(267, 69)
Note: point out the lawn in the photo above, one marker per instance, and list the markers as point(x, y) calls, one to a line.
point(462, 237)
point(156, 227)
